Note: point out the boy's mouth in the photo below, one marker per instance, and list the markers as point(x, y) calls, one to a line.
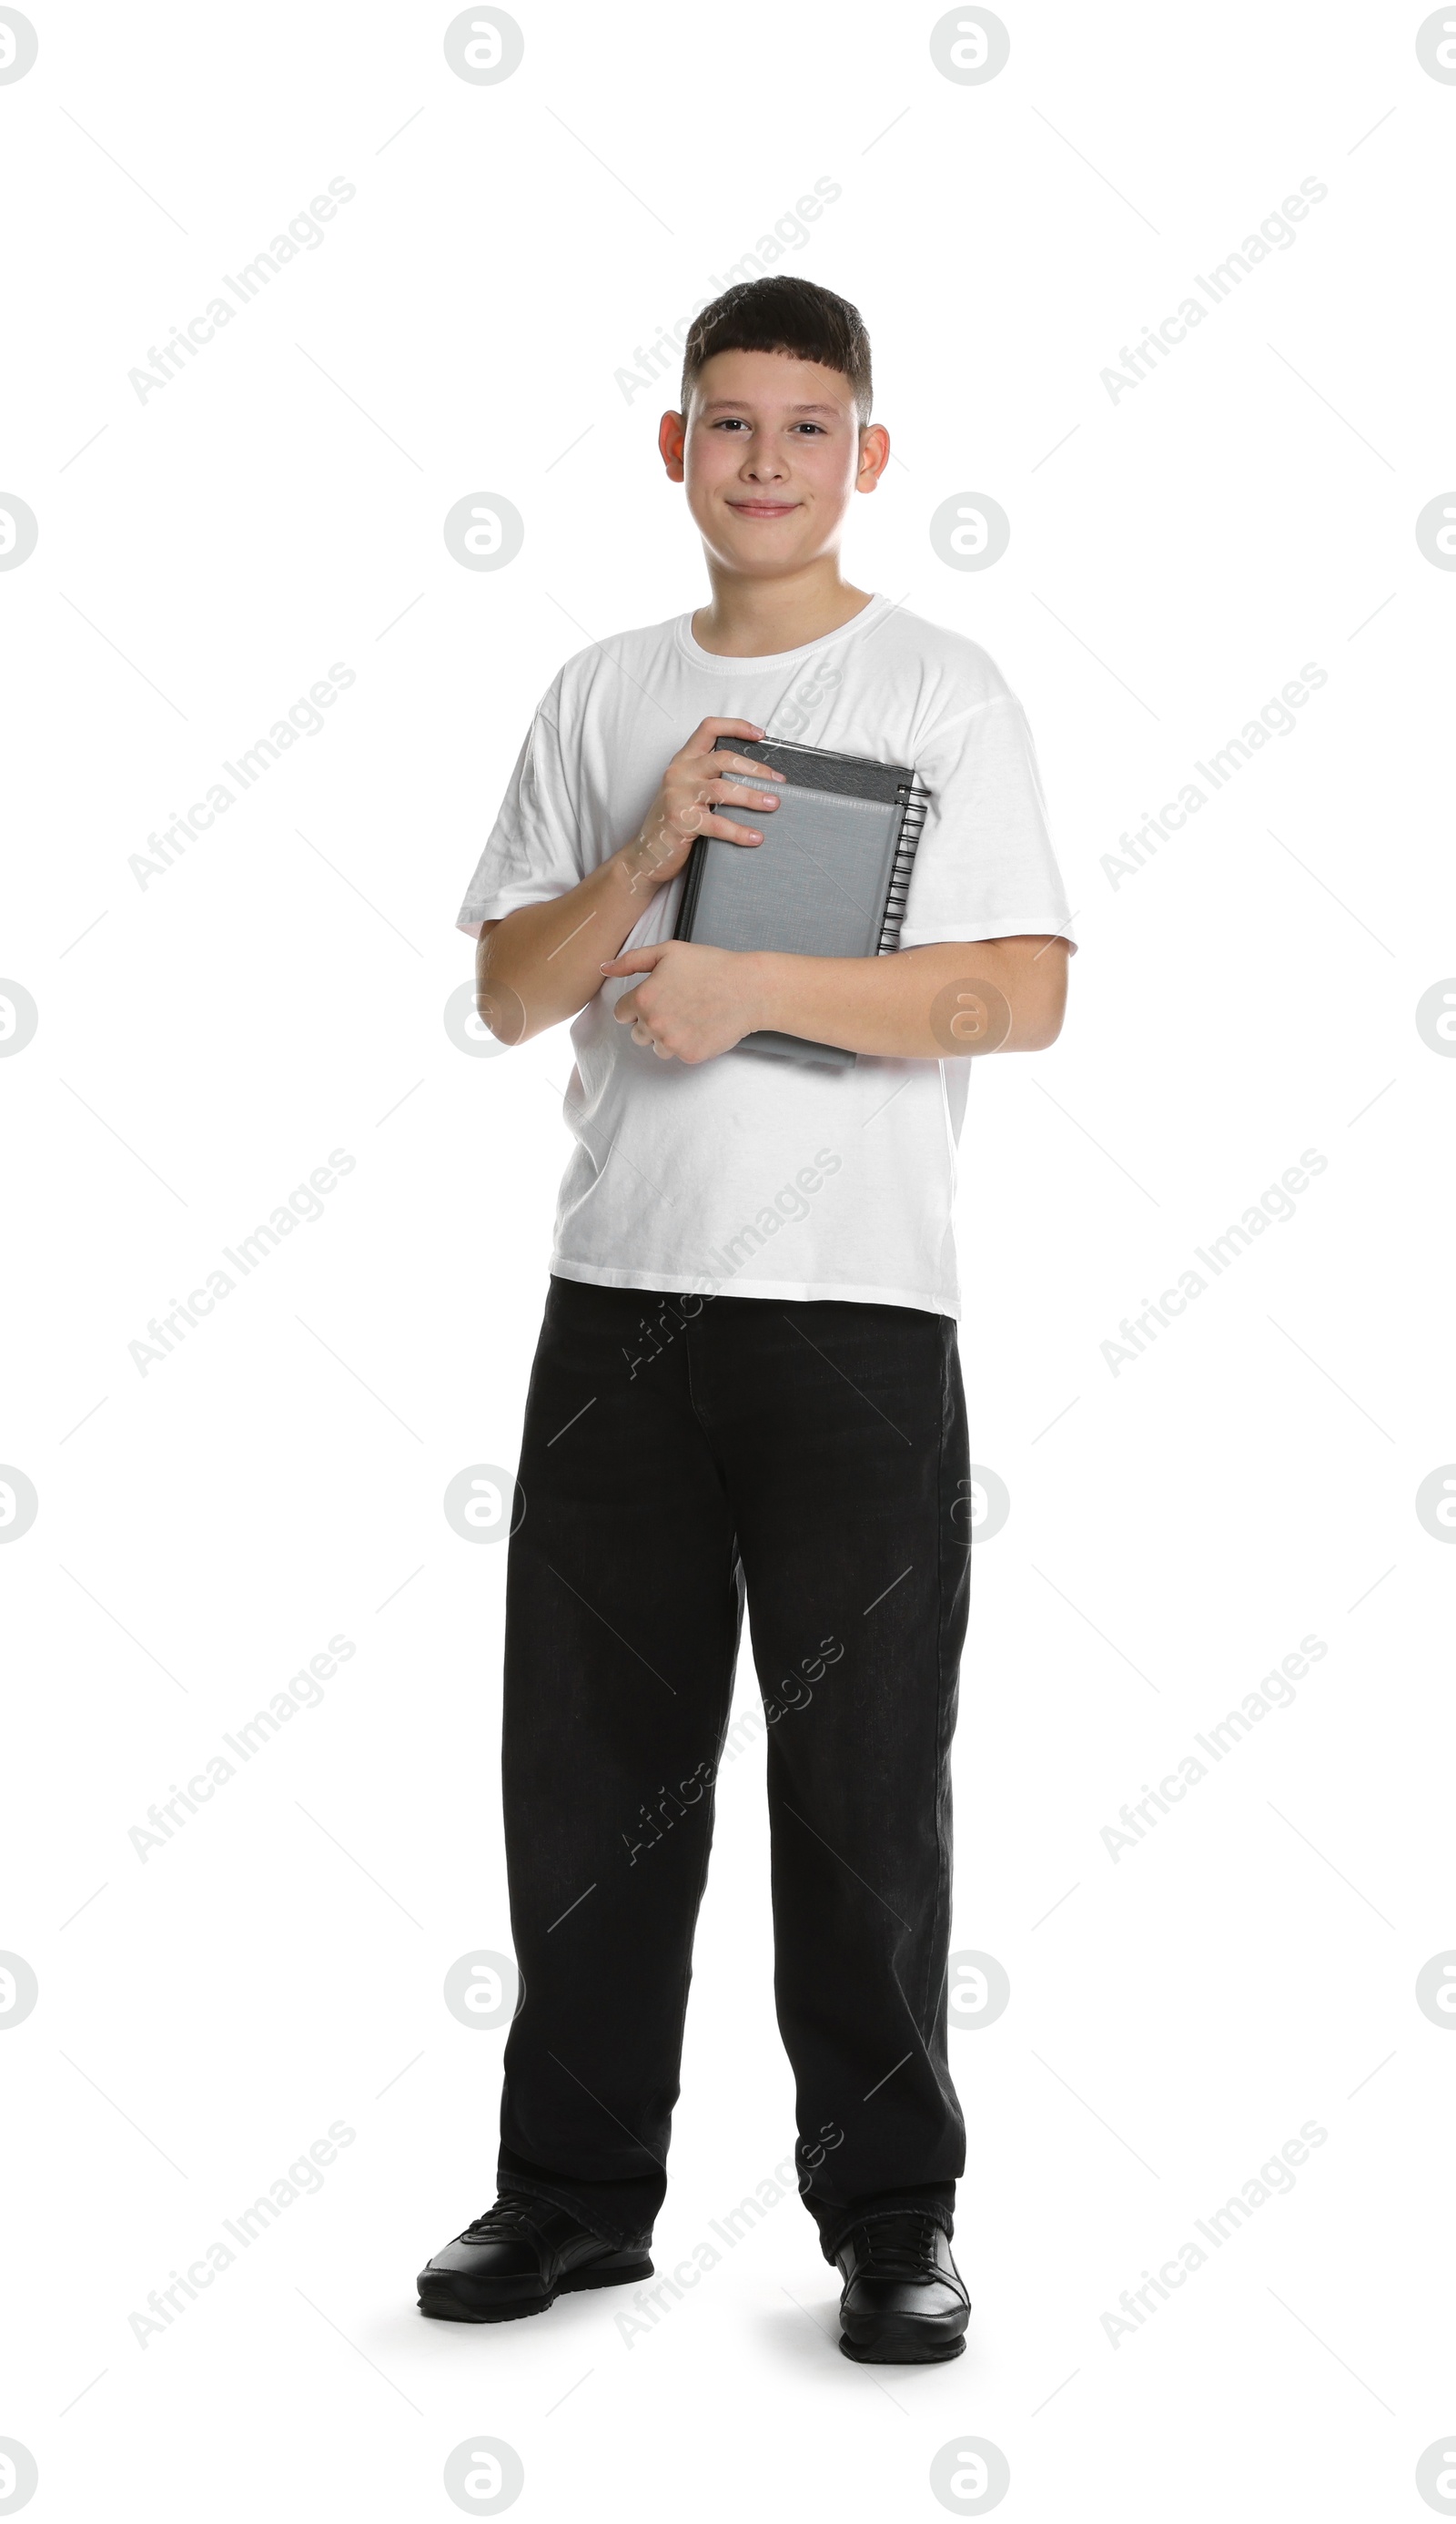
point(763, 508)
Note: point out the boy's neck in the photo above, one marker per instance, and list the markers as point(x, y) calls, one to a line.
point(766, 617)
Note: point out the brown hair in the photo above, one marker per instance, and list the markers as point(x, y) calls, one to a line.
point(782, 312)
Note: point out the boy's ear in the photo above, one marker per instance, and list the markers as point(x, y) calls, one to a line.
point(672, 430)
point(874, 454)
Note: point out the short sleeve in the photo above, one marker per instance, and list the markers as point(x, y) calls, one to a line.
point(985, 866)
point(532, 853)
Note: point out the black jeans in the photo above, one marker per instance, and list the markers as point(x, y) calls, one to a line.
point(676, 1452)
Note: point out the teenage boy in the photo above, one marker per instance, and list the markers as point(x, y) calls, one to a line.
point(783, 1414)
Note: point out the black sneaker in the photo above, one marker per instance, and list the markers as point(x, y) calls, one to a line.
point(904, 2301)
point(517, 2259)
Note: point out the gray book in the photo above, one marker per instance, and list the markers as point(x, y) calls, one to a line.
point(831, 876)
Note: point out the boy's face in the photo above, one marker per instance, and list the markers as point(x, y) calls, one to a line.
point(772, 453)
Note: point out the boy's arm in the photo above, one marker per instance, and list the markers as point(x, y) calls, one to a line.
point(542, 962)
point(539, 964)
point(923, 1003)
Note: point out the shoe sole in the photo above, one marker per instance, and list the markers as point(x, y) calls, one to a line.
point(449, 2308)
point(900, 2344)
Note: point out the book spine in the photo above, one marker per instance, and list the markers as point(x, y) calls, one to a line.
point(914, 806)
point(683, 925)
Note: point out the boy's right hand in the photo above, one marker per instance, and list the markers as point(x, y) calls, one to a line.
point(697, 782)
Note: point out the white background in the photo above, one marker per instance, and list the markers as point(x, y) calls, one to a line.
point(205, 1040)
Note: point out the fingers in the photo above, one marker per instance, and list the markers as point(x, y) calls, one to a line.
point(641, 1033)
point(737, 793)
point(628, 1012)
point(726, 831)
point(705, 737)
point(726, 763)
point(695, 819)
point(697, 816)
point(728, 792)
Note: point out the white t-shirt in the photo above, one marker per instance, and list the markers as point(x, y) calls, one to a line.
point(746, 1175)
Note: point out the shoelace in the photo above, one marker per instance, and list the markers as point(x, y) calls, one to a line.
point(900, 2246)
point(511, 2210)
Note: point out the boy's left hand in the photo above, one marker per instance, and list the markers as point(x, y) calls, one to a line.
point(693, 1001)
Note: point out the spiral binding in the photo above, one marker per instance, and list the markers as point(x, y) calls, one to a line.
point(914, 801)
